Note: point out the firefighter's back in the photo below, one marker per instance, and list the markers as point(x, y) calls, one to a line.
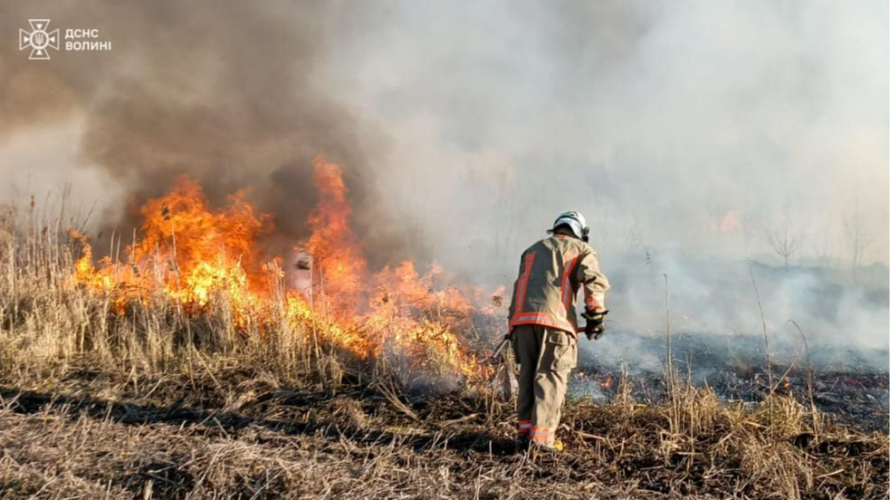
point(544, 292)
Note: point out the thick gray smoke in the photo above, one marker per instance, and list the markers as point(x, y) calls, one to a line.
point(697, 136)
point(221, 91)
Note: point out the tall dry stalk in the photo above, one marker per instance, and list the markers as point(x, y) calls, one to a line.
point(48, 325)
point(669, 360)
point(809, 377)
point(769, 371)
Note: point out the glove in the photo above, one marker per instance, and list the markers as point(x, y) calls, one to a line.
point(595, 326)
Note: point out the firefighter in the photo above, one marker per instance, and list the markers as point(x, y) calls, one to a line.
point(544, 328)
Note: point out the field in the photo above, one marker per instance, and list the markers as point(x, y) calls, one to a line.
point(225, 431)
point(186, 366)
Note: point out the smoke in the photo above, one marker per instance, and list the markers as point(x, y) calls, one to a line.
point(697, 138)
point(693, 136)
point(658, 123)
point(221, 91)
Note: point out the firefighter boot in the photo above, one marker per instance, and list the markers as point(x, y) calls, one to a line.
point(522, 443)
point(541, 450)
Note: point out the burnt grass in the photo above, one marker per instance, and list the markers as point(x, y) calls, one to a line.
point(234, 433)
point(852, 385)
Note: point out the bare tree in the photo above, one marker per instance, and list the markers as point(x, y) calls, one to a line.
point(785, 239)
point(859, 238)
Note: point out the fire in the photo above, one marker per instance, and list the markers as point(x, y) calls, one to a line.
point(333, 244)
point(188, 252)
point(203, 259)
point(608, 383)
point(727, 224)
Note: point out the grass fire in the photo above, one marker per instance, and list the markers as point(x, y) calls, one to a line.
point(198, 261)
point(292, 249)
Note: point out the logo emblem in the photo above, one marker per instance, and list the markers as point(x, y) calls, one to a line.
point(38, 39)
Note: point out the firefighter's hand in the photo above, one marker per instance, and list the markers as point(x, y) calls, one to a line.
point(595, 323)
point(594, 333)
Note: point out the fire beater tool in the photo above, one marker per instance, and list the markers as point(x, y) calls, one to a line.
point(497, 351)
point(503, 377)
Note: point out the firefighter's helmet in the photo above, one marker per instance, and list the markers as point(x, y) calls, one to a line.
point(574, 221)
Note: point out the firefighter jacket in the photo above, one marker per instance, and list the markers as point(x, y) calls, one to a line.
point(550, 274)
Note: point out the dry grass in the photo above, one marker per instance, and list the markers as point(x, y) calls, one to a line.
point(48, 323)
point(225, 432)
point(159, 404)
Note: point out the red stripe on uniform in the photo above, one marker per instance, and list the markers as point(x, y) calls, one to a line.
point(522, 286)
point(567, 283)
point(540, 433)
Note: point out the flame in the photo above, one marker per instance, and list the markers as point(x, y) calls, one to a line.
point(727, 224)
point(204, 259)
point(787, 383)
point(188, 252)
point(336, 249)
point(608, 382)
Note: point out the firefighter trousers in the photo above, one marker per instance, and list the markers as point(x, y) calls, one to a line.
point(545, 356)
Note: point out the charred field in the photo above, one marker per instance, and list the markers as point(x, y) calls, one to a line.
point(225, 431)
point(846, 383)
point(185, 364)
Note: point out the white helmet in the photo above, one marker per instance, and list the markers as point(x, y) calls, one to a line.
point(575, 221)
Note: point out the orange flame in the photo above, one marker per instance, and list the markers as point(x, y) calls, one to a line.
point(333, 244)
point(205, 259)
point(608, 383)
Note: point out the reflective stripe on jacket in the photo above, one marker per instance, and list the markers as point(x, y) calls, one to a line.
point(550, 273)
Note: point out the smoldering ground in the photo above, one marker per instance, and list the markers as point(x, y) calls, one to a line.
point(692, 135)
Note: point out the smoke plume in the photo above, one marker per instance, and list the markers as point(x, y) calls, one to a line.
point(221, 91)
point(701, 139)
